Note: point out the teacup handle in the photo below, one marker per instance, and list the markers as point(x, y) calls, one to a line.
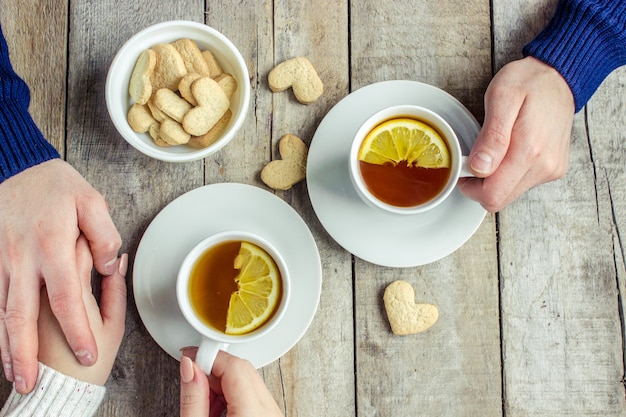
point(465, 170)
point(207, 352)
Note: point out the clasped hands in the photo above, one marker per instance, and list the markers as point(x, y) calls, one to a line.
point(45, 212)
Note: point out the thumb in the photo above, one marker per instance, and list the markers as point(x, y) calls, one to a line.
point(194, 390)
point(494, 138)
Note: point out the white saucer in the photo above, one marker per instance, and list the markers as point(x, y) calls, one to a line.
point(375, 236)
point(205, 211)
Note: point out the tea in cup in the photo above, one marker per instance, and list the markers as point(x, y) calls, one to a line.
point(406, 159)
point(232, 287)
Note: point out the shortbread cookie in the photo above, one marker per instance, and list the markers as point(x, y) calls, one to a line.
point(212, 135)
point(192, 56)
point(214, 67)
point(184, 87)
point(284, 173)
point(169, 68)
point(405, 316)
point(140, 118)
point(299, 74)
point(158, 115)
point(212, 104)
point(140, 85)
point(171, 104)
point(228, 84)
point(154, 132)
point(172, 133)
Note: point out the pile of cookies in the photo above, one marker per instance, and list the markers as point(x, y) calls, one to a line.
point(181, 95)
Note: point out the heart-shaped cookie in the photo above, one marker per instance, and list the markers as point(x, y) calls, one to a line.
point(405, 316)
point(299, 74)
point(282, 174)
point(212, 105)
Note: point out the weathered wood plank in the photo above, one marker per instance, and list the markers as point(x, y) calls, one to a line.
point(561, 330)
point(454, 367)
point(319, 370)
point(432, 42)
point(243, 158)
point(560, 323)
point(606, 127)
point(136, 186)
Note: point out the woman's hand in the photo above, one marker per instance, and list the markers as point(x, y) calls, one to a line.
point(233, 385)
point(106, 322)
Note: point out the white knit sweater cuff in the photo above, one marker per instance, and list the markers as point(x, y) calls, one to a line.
point(55, 394)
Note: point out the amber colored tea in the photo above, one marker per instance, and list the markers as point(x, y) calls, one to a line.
point(212, 281)
point(403, 185)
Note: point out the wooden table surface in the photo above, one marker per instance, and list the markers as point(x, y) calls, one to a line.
point(531, 314)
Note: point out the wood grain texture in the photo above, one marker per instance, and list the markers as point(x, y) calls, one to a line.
point(319, 370)
point(560, 260)
point(454, 367)
point(432, 42)
point(243, 158)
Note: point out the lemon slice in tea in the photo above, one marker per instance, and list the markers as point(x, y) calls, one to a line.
point(259, 288)
point(405, 139)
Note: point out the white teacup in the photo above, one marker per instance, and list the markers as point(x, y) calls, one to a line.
point(458, 169)
point(213, 339)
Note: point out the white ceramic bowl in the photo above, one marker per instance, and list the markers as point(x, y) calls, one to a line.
point(119, 102)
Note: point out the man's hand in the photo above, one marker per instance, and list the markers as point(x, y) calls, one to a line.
point(525, 140)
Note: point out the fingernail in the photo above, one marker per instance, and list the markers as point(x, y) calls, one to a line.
point(109, 267)
point(84, 357)
point(123, 266)
point(186, 370)
point(20, 384)
point(481, 163)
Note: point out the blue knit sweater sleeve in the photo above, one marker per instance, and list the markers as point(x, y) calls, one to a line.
point(21, 143)
point(585, 41)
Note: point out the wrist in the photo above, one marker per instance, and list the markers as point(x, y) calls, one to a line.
point(584, 42)
point(553, 78)
point(56, 394)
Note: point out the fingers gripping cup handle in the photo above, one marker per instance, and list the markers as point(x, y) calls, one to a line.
point(207, 352)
